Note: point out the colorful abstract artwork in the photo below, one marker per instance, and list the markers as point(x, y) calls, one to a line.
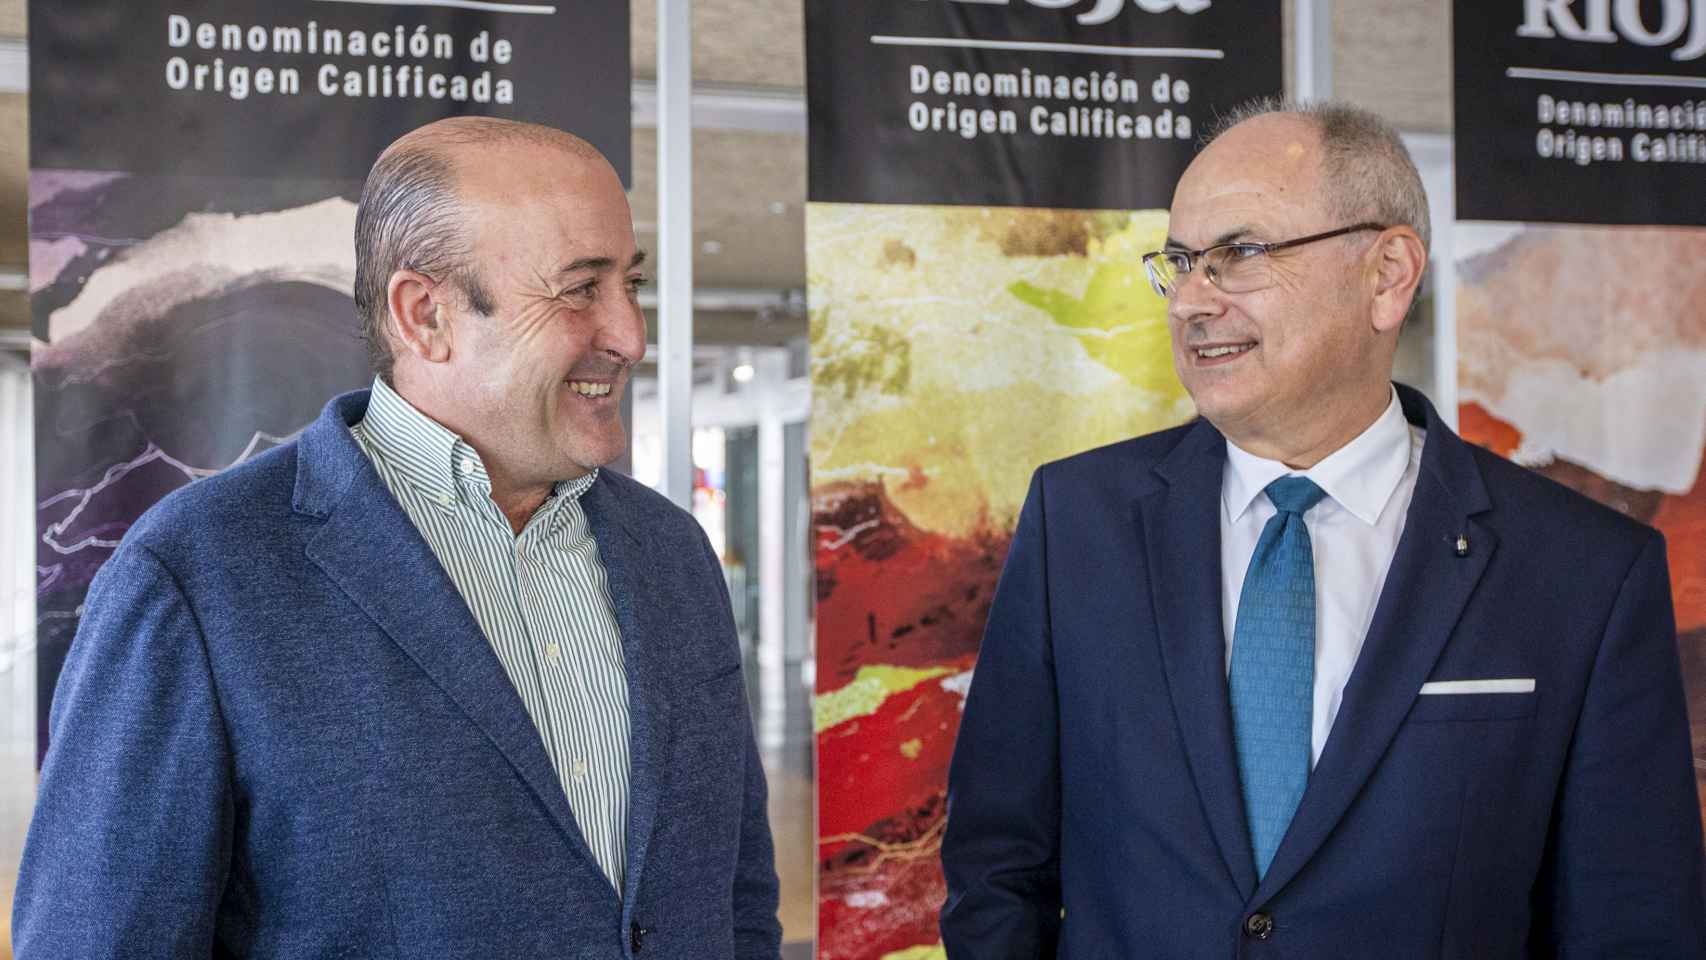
point(1582, 354)
point(182, 324)
point(954, 350)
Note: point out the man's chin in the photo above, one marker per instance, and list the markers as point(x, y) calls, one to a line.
point(1220, 404)
point(586, 454)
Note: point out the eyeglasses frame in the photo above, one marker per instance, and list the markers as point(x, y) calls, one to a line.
point(1192, 256)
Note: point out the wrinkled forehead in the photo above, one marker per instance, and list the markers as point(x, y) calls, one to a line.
point(1262, 176)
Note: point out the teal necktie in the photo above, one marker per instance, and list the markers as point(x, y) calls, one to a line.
point(1272, 679)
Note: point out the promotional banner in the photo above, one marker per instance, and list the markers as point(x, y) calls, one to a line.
point(195, 167)
point(1588, 112)
point(984, 181)
point(1581, 303)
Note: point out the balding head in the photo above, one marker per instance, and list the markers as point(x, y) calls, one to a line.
point(1290, 354)
point(1365, 172)
point(410, 214)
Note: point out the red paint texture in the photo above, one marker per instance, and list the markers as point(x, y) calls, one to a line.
point(889, 593)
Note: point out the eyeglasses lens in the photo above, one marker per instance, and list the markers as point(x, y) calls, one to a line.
point(1237, 267)
point(1164, 270)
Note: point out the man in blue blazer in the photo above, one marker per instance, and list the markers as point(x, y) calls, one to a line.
point(424, 683)
point(1311, 677)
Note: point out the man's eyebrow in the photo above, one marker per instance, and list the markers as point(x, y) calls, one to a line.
point(600, 264)
point(1229, 236)
point(595, 264)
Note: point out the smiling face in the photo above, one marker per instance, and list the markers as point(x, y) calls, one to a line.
point(1291, 367)
point(536, 385)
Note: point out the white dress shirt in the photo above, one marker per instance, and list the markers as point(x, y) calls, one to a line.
point(1354, 532)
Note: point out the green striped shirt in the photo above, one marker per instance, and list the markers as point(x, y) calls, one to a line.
point(541, 598)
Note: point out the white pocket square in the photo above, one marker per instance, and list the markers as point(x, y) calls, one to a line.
point(1515, 685)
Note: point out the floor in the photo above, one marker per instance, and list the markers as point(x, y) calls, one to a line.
point(17, 772)
point(782, 718)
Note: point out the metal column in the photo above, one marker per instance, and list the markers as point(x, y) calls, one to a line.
point(1312, 49)
point(675, 243)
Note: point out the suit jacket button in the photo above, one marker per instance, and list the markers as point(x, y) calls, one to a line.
point(1259, 926)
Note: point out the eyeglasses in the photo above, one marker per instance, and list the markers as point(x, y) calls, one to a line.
point(1233, 267)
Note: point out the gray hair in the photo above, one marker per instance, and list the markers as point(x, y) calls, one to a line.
point(407, 220)
point(410, 218)
point(1366, 171)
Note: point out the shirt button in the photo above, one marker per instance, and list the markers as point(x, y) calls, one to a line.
point(553, 652)
point(466, 466)
point(580, 770)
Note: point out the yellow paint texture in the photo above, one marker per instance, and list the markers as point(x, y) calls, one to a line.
point(873, 684)
point(954, 349)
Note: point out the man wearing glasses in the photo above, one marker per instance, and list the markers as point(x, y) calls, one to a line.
point(1310, 676)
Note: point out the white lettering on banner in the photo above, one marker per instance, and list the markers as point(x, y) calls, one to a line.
point(235, 82)
point(403, 81)
point(967, 122)
point(395, 43)
point(1104, 123)
point(1671, 148)
point(1629, 114)
point(1106, 10)
point(1060, 119)
point(390, 80)
point(1605, 21)
point(1582, 150)
point(1093, 87)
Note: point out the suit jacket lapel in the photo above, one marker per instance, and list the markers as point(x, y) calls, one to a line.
point(623, 550)
point(372, 551)
point(1426, 589)
point(1181, 531)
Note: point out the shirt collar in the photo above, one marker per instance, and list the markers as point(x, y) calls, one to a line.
point(1360, 476)
point(433, 459)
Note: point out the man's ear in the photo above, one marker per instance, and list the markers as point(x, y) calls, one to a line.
point(417, 315)
point(1400, 260)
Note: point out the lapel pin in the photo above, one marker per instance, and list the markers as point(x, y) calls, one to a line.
point(1462, 545)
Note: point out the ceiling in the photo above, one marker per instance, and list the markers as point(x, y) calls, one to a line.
point(750, 184)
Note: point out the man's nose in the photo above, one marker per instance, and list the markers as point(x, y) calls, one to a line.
point(1194, 294)
point(623, 331)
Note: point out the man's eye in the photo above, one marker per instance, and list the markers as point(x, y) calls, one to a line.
point(636, 284)
point(1243, 251)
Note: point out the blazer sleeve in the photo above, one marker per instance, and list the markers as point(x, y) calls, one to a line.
point(1001, 849)
point(756, 892)
point(130, 845)
point(1622, 875)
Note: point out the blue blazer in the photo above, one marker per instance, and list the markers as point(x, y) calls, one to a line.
point(280, 733)
point(1094, 806)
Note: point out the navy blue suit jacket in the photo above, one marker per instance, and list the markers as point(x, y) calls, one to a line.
point(1095, 773)
point(280, 733)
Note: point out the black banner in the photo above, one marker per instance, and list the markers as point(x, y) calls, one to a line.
point(1038, 103)
point(311, 88)
point(1581, 112)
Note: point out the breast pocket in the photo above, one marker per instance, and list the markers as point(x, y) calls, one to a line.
point(1444, 708)
point(708, 735)
point(699, 814)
